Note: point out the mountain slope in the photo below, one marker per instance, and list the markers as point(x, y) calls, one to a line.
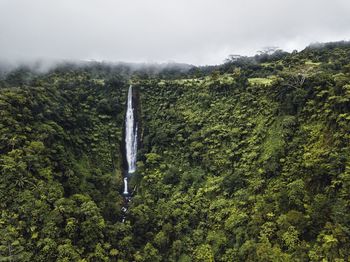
point(246, 161)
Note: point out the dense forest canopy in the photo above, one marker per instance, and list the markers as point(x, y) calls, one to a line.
point(244, 161)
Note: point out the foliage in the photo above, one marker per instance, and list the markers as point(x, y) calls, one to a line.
point(245, 161)
point(249, 162)
point(60, 166)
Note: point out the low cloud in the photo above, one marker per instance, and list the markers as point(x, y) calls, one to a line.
point(186, 31)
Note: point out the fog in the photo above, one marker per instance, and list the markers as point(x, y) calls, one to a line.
point(198, 32)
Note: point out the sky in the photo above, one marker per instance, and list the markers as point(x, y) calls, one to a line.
point(199, 32)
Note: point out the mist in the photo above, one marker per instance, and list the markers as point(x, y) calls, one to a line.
point(157, 31)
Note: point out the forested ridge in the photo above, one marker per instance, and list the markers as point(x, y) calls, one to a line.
point(245, 161)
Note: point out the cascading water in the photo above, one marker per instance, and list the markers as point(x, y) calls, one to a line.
point(125, 186)
point(130, 140)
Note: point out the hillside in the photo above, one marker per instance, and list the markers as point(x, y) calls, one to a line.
point(245, 161)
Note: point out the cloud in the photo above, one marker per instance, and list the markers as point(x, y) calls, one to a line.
point(192, 31)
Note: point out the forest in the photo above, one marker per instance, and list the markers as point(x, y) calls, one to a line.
point(244, 161)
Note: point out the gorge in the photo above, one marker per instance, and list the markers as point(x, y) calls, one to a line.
point(245, 161)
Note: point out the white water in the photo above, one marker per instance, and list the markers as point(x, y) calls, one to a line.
point(125, 186)
point(130, 139)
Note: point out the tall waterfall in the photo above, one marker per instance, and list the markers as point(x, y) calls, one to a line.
point(130, 139)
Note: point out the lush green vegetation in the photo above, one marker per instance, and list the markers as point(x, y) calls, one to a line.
point(60, 166)
point(247, 161)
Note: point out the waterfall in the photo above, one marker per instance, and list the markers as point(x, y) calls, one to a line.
point(130, 139)
point(125, 186)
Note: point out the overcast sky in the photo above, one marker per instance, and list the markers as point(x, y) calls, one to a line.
point(192, 31)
